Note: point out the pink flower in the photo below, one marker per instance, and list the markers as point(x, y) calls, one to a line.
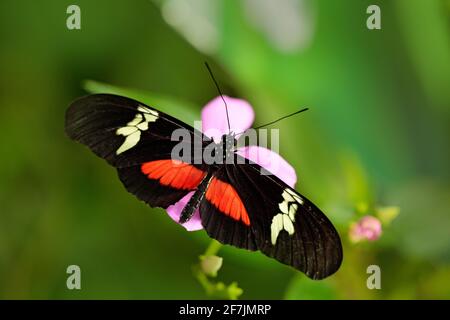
point(367, 228)
point(214, 125)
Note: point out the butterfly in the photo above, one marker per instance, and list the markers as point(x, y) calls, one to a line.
point(238, 204)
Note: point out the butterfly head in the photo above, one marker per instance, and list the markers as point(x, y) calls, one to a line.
point(228, 144)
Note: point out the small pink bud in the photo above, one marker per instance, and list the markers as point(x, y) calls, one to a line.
point(367, 228)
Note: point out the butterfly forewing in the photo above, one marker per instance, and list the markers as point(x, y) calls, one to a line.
point(123, 131)
point(284, 224)
point(136, 139)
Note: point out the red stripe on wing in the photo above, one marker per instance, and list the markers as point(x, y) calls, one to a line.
point(173, 173)
point(225, 198)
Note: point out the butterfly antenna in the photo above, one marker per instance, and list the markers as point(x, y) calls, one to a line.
point(220, 93)
point(272, 122)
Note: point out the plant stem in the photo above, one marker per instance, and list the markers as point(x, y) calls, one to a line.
point(213, 248)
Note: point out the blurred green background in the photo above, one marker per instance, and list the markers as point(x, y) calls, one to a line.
point(377, 135)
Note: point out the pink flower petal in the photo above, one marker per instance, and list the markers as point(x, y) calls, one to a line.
point(214, 117)
point(174, 212)
point(271, 161)
point(367, 228)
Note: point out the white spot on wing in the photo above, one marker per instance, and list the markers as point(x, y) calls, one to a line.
point(150, 117)
point(142, 126)
point(287, 224)
point(276, 227)
point(130, 141)
point(287, 196)
point(132, 131)
point(295, 196)
point(135, 121)
point(293, 209)
point(126, 131)
point(147, 110)
point(283, 207)
point(285, 220)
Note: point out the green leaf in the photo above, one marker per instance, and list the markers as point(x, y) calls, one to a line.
point(179, 109)
point(387, 214)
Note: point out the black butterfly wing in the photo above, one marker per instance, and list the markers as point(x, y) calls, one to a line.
point(123, 131)
point(283, 224)
point(223, 213)
point(137, 140)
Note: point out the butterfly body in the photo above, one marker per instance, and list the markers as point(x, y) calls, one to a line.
point(224, 152)
point(194, 202)
point(239, 202)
